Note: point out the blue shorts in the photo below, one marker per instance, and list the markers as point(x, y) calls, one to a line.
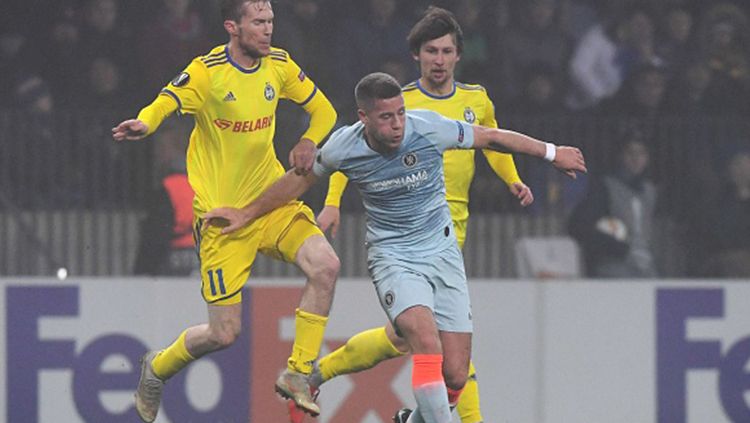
point(437, 282)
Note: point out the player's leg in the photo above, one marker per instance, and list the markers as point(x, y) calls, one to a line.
point(456, 352)
point(292, 235)
point(360, 352)
point(453, 318)
point(406, 296)
point(468, 403)
point(225, 266)
point(418, 327)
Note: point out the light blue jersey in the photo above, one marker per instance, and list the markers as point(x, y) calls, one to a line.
point(403, 192)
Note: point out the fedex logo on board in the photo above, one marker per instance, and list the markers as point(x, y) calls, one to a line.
point(89, 365)
point(100, 367)
point(678, 355)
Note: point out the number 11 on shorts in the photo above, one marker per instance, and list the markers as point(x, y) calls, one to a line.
point(220, 277)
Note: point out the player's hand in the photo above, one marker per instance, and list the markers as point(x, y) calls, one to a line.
point(229, 219)
point(522, 192)
point(302, 156)
point(329, 217)
point(130, 130)
point(569, 160)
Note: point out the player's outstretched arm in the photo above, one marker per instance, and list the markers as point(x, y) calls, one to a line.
point(147, 121)
point(287, 188)
point(568, 160)
point(130, 130)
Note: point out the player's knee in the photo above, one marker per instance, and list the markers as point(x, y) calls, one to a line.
point(327, 269)
point(455, 376)
point(455, 381)
point(224, 336)
point(425, 343)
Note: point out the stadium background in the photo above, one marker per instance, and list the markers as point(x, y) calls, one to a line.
point(70, 197)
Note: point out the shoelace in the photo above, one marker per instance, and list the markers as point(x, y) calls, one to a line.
point(153, 390)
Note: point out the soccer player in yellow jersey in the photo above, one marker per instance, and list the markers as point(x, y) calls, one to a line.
point(435, 42)
point(232, 92)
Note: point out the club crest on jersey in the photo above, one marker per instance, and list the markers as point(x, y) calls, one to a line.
point(409, 160)
point(269, 93)
point(469, 115)
point(389, 298)
point(181, 79)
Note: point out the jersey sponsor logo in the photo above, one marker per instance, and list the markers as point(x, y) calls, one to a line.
point(460, 132)
point(409, 159)
point(410, 181)
point(230, 97)
point(269, 93)
point(245, 125)
point(222, 123)
point(469, 115)
point(181, 79)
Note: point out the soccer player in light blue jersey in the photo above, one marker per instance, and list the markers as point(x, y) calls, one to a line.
point(395, 158)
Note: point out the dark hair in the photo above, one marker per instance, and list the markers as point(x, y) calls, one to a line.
point(435, 23)
point(232, 10)
point(375, 86)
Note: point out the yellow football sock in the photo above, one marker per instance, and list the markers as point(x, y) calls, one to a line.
point(468, 402)
point(361, 352)
point(173, 359)
point(308, 337)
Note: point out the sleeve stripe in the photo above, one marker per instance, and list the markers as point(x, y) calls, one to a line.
point(216, 64)
point(214, 59)
point(307, 100)
point(174, 96)
point(471, 87)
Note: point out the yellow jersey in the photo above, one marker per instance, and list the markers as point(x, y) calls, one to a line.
point(468, 102)
point(231, 158)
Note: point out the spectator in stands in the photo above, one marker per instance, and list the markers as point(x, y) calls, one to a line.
point(105, 88)
point(176, 35)
point(723, 41)
point(475, 56)
point(721, 229)
point(103, 31)
point(614, 223)
point(534, 39)
point(607, 54)
point(304, 34)
point(578, 16)
point(166, 245)
point(63, 56)
point(365, 39)
point(16, 59)
point(689, 92)
point(34, 170)
point(541, 93)
point(673, 43)
point(642, 95)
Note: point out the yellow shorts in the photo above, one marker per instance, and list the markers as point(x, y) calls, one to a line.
point(460, 216)
point(226, 259)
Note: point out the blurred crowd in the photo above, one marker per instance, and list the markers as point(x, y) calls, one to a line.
point(554, 62)
point(621, 57)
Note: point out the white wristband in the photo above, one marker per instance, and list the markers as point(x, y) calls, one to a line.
point(551, 151)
